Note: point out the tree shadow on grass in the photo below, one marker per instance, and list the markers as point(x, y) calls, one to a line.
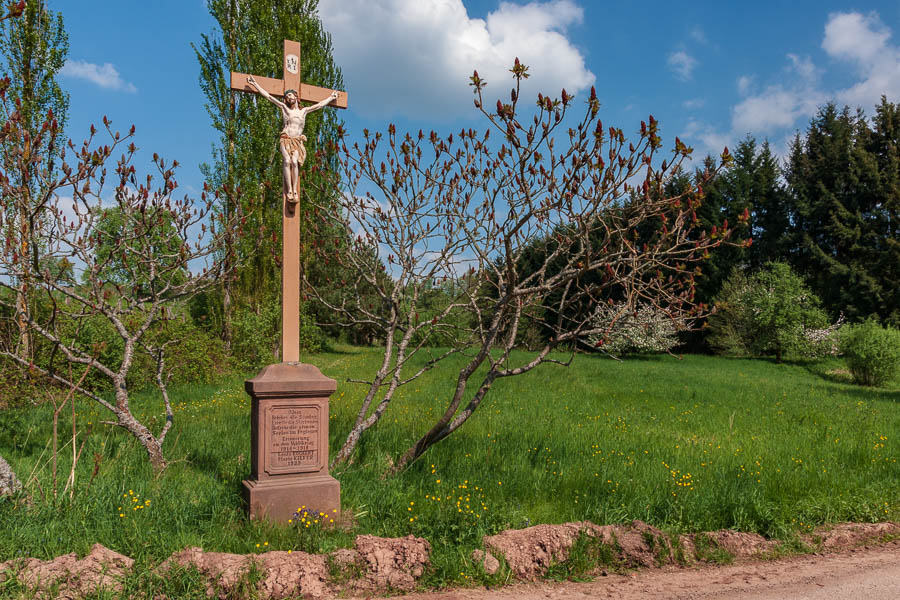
point(630, 357)
point(835, 372)
point(869, 394)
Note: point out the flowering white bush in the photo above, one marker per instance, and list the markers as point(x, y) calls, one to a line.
point(827, 341)
point(623, 328)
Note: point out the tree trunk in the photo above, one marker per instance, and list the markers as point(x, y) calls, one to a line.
point(22, 291)
point(441, 429)
point(227, 300)
point(146, 438)
point(149, 441)
point(226, 306)
point(9, 483)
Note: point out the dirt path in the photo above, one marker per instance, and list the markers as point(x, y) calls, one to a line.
point(872, 573)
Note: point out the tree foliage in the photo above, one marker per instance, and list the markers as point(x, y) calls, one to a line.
point(249, 38)
point(872, 352)
point(768, 313)
point(127, 269)
point(842, 207)
point(644, 329)
point(164, 249)
point(460, 212)
point(33, 47)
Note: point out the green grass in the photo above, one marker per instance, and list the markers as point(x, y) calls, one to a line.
point(687, 445)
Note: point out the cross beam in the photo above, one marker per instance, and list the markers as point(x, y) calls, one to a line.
point(290, 266)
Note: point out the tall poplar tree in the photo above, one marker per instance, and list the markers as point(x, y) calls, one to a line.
point(33, 48)
point(245, 160)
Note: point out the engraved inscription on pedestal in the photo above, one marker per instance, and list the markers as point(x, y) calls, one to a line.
point(292, 439)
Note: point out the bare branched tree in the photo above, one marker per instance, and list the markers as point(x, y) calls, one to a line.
point(530, 231)
point(124, 258)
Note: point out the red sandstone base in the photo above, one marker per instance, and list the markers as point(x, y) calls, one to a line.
point(280, 501)
point(289, 443)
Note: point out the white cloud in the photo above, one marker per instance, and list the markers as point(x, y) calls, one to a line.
point(803, 67)
point(699, 35)
point(855, 37)
point(864, 41)
point(694, 103)
point(415, 57)
point(711, 141)
point(106, 76)
point(783, 106)
point(682, 64)
point(764, 114)
point(779, 105)
point(775, 108)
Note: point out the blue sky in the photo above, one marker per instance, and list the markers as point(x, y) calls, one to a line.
point(710, 72)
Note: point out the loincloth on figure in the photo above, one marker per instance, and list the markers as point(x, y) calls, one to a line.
point(289, 145)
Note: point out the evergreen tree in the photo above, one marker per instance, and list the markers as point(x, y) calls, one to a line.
point(246, 161)
point(724, 202)
point(749, 198)
point(769, 218)
point(33, 48)
point(885, 146)
point(835, 213)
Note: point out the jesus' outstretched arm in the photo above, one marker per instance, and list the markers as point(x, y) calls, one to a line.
point(323, 103)
point(265, 94)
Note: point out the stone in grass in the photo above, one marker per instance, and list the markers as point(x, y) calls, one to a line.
point(281, 574)
point(487, 561)
point(101, 569)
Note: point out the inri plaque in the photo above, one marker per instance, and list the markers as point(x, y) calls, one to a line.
point(292, 439)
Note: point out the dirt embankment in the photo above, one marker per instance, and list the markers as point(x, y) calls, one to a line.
point(638, 552)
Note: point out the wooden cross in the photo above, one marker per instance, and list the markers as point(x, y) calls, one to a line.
point(290, 266)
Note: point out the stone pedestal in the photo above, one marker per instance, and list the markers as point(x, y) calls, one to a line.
point(289, 443)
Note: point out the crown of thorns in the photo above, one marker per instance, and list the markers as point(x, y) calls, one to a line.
point(286, 92)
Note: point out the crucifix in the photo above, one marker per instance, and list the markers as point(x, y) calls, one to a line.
point(294, 153)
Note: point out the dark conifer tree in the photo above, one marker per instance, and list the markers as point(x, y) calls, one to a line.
point(769, 218)
point(834, 240)
point(885, 147)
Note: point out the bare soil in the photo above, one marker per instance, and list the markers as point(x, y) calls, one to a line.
point(870, 572)
point(648, 564)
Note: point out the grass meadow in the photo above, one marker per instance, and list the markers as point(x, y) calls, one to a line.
point(696, 444)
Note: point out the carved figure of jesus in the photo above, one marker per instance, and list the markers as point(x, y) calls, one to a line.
point(292, 139)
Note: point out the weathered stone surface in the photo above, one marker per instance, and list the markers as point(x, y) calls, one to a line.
point(289, 443)
point(9, 483)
